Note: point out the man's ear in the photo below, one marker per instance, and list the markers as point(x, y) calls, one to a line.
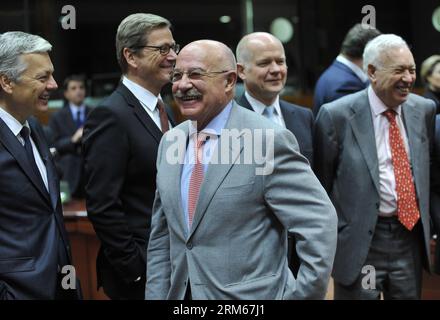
point(240, 71)
point(371, 72)
point(129, 57)
point(6, 84)
point(231, 80)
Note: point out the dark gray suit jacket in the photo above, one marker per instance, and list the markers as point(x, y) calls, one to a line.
point(346, 164)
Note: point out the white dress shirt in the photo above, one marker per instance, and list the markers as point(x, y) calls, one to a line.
point(387, 181)
point(259, 107)
point(147, 100)
point(16, 127)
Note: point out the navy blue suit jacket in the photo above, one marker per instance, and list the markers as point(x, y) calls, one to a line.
point(337, 81)
point(299, 120)
point(63, 127)
point(33, 239)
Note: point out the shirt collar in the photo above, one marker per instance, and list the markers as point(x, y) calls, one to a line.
point(216, 125)
point(143, 95)
point(74, 108)
point(353, 67)
point(13, 124)
point(259, 107)
point(377, 105)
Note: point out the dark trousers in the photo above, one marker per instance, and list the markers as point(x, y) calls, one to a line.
point(393, 266)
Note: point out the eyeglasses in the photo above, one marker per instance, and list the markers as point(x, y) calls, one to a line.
point(164, 49)
point(194, 74)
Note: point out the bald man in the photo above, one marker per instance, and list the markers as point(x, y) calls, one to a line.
point(220, 232)
point(263, 69)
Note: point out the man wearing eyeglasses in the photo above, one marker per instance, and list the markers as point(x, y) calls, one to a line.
point(219, 225)
point(120, 143)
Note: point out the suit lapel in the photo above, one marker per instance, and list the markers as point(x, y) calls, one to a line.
point(14, 147)
point(141, 114)
point(245, 103)
point(216, 173)
point(363, 129)
point(70, 122)
point(175, 174)
point(411, 119)
point(289, 116)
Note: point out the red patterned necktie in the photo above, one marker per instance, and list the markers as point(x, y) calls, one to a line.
point(197, 174)
point(163, 116)
point(407, 208)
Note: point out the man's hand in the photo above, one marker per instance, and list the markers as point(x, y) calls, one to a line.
point(77, 135)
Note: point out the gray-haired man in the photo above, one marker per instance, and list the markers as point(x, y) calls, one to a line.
point(34, 247)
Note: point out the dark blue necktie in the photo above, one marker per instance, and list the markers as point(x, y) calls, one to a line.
point(79, 122)
point(28, 147)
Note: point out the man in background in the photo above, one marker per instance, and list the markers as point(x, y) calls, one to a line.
point(345, 75)
point(67, 129)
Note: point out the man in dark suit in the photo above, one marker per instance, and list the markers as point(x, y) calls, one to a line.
point(261, 64)
point(67, 129)
point(120, 142)
point(345, 75)
point(34, 248)
point(372, 155)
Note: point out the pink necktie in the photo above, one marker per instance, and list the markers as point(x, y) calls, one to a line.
point(196, 178)
point(407, 209)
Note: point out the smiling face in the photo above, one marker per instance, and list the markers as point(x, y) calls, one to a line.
point(394, 79)
point(149, 66)
point(31, 92)
point(265, 71)
point(200, 98)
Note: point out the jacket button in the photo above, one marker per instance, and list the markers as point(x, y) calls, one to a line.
point(370, 232)
point(189, 245)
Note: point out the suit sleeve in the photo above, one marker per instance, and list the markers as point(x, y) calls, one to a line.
point(106, 152)
point(435, 176)
point(296, 197)
point(325, 149)
point(158, 253)
point(62, 143)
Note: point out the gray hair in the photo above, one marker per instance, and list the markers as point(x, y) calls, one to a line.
point(14, 44)
point(132, 33)
point(376, 47)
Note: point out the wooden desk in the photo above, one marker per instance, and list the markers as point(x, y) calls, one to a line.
point(85, 245)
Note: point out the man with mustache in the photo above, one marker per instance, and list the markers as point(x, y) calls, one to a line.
point(372, 155)
point(120, 143)
point(219, 226)
point(34, 247)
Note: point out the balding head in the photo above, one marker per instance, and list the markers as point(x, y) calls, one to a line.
point(208, 86)
point(262, 66)
point(213, 53)
point(250, 44)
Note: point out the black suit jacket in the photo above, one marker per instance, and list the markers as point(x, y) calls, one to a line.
point(69, 158)
point(299, 120)
point(120, 144)
point(33, 240)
